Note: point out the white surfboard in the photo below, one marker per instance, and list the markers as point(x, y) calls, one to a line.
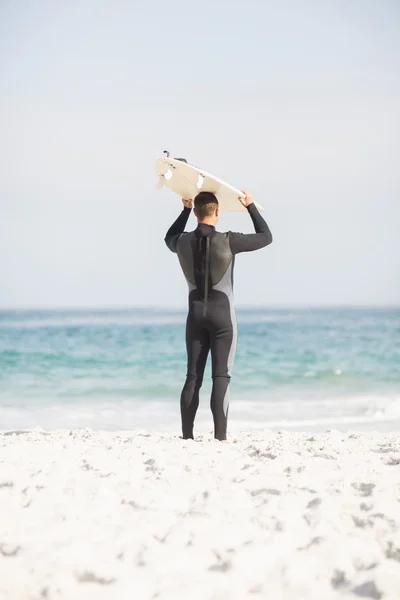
point(187, 181)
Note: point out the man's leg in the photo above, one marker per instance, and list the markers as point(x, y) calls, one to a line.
point(197, 346)
point(223, 340)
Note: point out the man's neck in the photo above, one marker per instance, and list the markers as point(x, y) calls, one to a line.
point(209, 223)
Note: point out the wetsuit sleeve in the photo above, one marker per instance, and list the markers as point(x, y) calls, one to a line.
point(176, 229)
point(247, 242)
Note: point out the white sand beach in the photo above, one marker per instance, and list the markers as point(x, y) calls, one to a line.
point(96, 515)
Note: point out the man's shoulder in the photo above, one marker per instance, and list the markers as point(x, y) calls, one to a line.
point(221, 237)
point(186, 234)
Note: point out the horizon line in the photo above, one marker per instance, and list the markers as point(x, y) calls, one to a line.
point(181, 308)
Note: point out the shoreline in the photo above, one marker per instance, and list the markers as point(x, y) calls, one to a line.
point(203, 427)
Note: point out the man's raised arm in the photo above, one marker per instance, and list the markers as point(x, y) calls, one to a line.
point(177, 228)
point(247, 242)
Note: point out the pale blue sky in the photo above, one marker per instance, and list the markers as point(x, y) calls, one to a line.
point(297, 101)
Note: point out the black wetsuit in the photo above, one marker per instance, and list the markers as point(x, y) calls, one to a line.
point(207, 260)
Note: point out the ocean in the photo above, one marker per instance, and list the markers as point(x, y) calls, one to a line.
point(124, 369)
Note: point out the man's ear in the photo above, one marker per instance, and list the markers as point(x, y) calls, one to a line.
point(217, 211)
point(195, 213)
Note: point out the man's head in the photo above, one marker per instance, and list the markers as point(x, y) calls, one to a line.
point(206, 208)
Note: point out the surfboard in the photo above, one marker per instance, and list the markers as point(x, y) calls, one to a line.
point(187, 181)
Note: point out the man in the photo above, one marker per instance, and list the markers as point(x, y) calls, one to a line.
point(207, 260)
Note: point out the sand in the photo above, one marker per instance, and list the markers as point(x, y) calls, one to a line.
point(135, 516)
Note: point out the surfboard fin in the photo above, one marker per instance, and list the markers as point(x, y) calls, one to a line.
point(161, 182)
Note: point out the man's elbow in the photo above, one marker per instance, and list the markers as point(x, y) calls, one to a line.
point(169, 243)
point(268, 238)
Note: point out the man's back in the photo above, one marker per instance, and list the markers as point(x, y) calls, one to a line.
point(206, 251)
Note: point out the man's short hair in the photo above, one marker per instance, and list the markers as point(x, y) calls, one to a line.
point(205, 204)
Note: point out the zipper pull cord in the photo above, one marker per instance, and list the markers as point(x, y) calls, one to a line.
point(206, 276)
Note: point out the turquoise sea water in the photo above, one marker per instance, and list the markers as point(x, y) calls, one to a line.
point(125, 369)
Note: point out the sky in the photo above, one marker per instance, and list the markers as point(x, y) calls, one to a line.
point(297, 101)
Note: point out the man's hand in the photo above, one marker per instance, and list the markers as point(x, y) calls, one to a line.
point(247, 200)
point(187, 203)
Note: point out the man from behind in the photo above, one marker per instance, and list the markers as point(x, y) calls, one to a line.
point(207, 260)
